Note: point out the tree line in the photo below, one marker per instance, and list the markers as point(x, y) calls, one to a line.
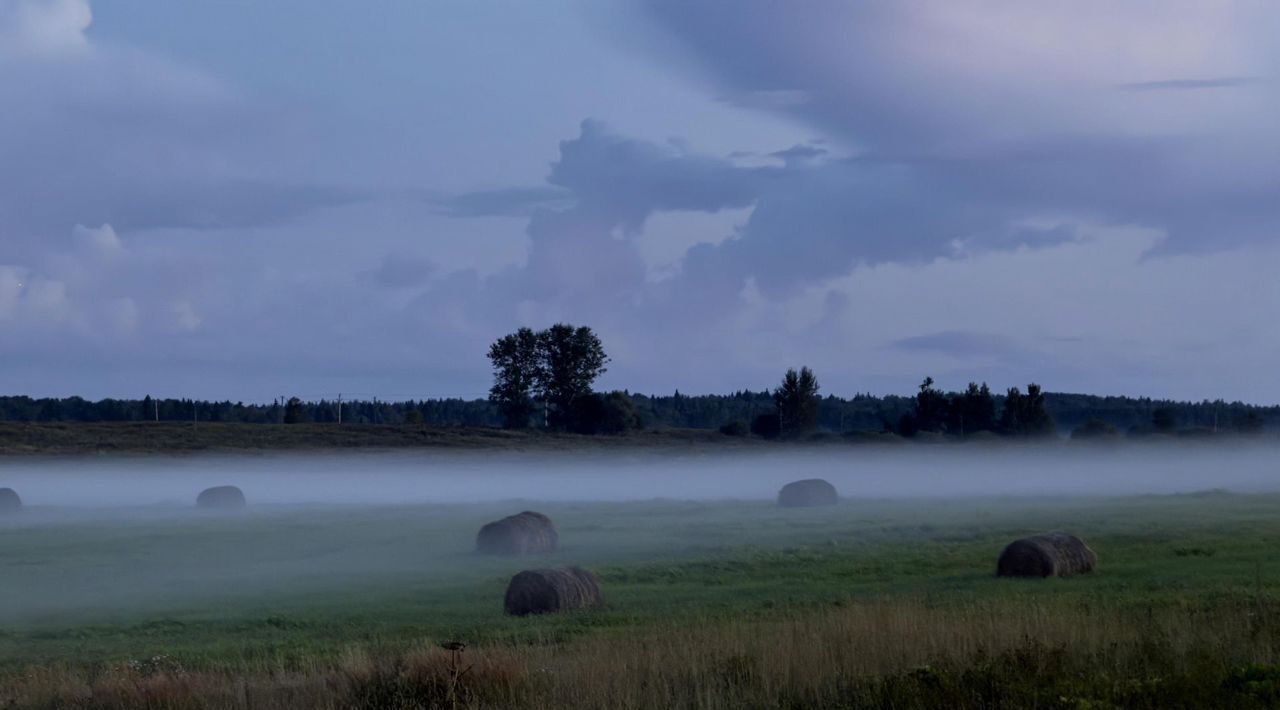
point(556, 368)
point(797, 405)
point(545, 379)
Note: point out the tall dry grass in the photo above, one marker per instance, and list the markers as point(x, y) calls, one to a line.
point(889, 653)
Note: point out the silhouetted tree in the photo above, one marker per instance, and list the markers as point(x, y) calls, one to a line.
point(1036, 419)
point(1026, 415)
point(1011, 416)
point(931, 408)
point(293, 411)
point(972, 411)
point(516, 370)
point(797, 402)
point(569, 361)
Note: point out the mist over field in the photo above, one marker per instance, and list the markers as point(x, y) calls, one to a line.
point(111, 537)
point(408, 478)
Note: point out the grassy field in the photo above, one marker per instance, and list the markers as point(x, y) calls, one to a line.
point(58, 438)
point(709, 605)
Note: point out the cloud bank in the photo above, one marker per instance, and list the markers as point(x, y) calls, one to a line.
point(1082, 196)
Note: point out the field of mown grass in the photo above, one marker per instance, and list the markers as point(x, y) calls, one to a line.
point(727, 604)
point(76, 438)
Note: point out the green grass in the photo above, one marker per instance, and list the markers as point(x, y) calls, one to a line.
point(74, 438)
point(285, 588)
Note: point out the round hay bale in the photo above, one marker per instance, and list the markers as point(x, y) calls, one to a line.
point(807, 494)
point(1054, 554)
point(527, 533)
point(540, 591)
point(221, 498)
point(9, 501)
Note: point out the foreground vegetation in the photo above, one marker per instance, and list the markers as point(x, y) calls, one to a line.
point(174, 437)
point(710, 605)
point(50, 438)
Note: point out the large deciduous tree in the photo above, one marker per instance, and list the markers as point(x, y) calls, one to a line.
point(569, 361)
point(515, 359)
point(556, 366)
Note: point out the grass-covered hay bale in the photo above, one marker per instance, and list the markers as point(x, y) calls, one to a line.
point(808, 493)
point(9, 501)
point(527, 533)
point(540, 591)
point(221, 498)
point(1054, 554)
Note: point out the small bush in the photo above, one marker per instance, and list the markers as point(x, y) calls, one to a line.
point(766, 426)
point(735, 428)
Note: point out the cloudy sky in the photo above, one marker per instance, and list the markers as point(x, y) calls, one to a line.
point(243, 199)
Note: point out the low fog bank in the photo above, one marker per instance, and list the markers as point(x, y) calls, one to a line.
point(107, 539)
point(395, 478)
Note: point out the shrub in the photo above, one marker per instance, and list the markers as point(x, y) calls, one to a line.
point(767, 426)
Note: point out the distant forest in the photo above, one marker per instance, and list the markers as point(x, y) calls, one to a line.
point(863, 412)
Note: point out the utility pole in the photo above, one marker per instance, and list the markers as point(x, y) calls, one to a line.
point(195, 414)
point(339, 407)
point(157, 403)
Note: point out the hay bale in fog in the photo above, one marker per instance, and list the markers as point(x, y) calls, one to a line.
point(221, 497)
point(1054, 554)
point(539, 591)
point(528, 533)
point(807, 494)
point(9, 501)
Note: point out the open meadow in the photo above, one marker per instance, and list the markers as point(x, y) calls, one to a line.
point(118, 593)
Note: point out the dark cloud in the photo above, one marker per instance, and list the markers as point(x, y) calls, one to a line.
point(799, 153)
point(1226, 82)
point(506, 202)
point(623, 180)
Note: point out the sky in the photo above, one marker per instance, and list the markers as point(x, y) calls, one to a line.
point(233, 199)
